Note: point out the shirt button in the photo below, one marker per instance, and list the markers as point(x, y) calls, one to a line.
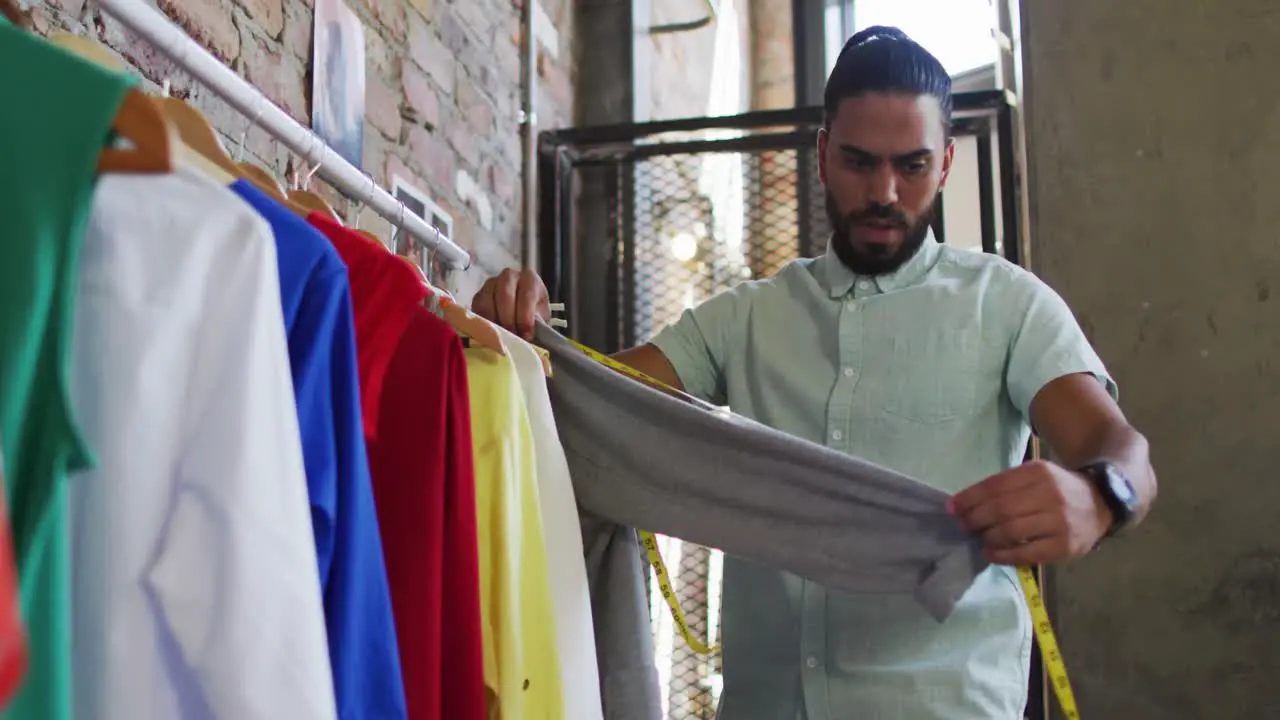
point(811, 662)
point(848, 372)
point(836, 435)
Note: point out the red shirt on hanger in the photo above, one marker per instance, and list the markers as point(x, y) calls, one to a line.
point(385, 291)
point(424, 486)
point(13, 634)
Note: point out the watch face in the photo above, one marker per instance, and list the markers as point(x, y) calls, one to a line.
point(1121, 487)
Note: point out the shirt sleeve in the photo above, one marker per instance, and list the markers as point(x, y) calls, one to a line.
point(1046, 344)
point(357, 597)
point(697, 344)
point(249, 626)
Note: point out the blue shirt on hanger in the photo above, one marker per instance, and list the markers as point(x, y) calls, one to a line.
point(316, 298)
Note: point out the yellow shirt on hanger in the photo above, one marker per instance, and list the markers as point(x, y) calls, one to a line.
point(521, 661)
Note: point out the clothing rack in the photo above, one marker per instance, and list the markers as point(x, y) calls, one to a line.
point(151, 24)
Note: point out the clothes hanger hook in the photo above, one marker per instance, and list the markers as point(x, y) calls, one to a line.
point(395, 236)
point(361, 202)
point(244, 136)
point(318, 160)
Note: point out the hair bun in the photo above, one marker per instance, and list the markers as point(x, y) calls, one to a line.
point(876, 32)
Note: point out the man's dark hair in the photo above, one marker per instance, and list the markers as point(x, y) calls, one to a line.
point(883, 59)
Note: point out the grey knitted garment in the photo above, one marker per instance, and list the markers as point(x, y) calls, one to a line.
point(645, 459)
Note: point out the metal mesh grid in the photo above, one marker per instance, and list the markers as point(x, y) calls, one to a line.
point(702, 222)
point(691, 225)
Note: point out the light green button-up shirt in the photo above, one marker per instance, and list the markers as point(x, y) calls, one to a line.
point(929, 371)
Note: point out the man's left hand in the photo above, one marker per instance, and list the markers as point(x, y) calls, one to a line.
point(1034, 513)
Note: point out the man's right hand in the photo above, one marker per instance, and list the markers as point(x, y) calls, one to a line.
point(513, 299)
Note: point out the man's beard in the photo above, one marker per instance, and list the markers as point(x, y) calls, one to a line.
point(877, 260)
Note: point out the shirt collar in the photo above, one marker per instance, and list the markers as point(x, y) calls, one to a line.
point(840, 279)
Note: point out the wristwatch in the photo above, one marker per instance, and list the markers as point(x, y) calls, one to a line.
point(1116, 490)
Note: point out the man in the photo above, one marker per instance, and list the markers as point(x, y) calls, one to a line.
point(932, 361)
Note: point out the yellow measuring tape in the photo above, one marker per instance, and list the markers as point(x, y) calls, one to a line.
point(1050, 653)
point(669, 594)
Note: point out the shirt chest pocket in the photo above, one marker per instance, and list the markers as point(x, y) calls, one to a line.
point(932, 376)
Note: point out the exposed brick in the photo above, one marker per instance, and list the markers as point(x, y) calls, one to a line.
point(508, 62)
point(432, 156)
point(374, 154)
point(268, 14)
point(492, 82)
point(278, 77)
point(397, 167)
point(466, 232)
point(772, 57)
point(455, 36)
point(506, 108)
point(379, 55)
point(70, 7)
point(476, 110)
point(39, 21)
point(509, 145)
point(298, 23)
point(390, 13)
point(442, 95)
point(209, 22)
point(420, 98)
point(476, 16)
point(556, 81)
point(499, 181)
point(463, 140)
point(425, 8)
point(150, 63)
point(221, 116)
point(430, 54)
point(382, 106)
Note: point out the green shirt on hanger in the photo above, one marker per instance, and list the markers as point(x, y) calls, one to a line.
point(59, 112)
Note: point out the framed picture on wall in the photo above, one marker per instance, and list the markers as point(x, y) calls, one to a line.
point(337, 79)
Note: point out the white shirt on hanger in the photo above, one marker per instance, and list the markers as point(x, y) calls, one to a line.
point(195, 587)
point(570, 594)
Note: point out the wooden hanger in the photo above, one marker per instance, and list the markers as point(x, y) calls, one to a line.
point(315, 203)
point(9, 9)
point(199, 136)
point(463, 321)
point(154, 140)
point(469, 324)
point(153, 137)
point(196, 132)
point(310, 200)
point(265, 181)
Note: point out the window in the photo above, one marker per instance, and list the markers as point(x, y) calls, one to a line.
point(957, 32)
point(417, 202)
point(838, 27)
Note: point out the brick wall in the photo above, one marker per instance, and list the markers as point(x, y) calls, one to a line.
point(773, 88)
point(442, 99)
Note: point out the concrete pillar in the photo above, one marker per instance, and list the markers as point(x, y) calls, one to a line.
point(1154, 139)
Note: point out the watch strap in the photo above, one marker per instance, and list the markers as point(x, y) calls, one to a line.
point(1101, 474)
